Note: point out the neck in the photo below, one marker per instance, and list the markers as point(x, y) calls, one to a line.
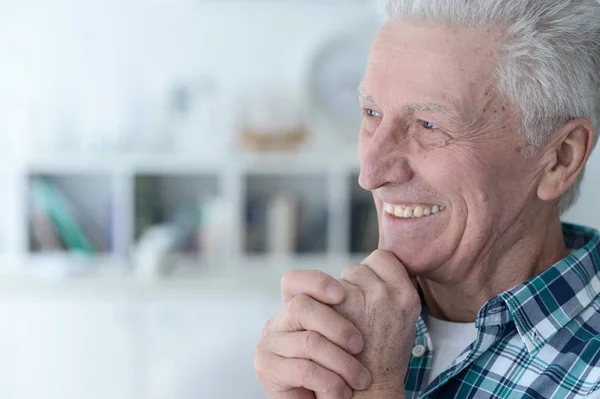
point(515, 262)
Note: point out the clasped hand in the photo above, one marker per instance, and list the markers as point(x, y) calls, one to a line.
point(337, 339)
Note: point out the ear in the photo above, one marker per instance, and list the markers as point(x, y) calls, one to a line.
point(565, 157)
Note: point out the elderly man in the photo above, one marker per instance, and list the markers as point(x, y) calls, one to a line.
point(479, 117)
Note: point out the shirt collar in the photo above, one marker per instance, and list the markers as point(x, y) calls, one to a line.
point(546, 303)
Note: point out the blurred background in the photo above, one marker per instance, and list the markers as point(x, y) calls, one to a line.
point(163, 163)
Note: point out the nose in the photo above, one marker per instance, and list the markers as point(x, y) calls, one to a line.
point(384, 158)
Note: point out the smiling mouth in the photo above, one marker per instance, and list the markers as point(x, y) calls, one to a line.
point(412, 211)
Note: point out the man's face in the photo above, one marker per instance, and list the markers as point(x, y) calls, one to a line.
point(438, 141)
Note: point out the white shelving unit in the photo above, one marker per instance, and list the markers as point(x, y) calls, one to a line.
point(104, 191)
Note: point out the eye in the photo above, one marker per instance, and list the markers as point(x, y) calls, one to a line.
point(371, 113)
point(428, 125)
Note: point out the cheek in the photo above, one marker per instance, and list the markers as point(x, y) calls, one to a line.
point(457, 174)
point(474, 180)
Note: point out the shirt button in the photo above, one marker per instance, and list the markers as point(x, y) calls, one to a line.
point(419, 351)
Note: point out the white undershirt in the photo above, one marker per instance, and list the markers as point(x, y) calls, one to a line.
point(448, 340)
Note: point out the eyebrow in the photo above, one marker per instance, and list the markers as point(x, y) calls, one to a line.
point(363, 93)
point(415, 107)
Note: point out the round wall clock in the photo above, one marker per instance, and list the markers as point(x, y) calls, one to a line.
point(335, 74)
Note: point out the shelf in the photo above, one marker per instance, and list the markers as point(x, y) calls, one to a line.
point(70, 211)
point(177, 199)
point(286, 214)
point(257, 163)
point(121, 163)
point(363, 232)
point(207, 206)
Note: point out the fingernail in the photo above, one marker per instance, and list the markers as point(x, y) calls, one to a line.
point(348, 392)
point(355, 344)
point(335, 292)
point(364, 380)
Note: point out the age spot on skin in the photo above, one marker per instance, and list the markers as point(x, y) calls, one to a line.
point(519, 149)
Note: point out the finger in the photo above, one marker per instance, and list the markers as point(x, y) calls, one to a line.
point(303, 313)
point(289, 374)
point(387, 267)
point(360, 274)
point(313, 346)
point(314, 283)
point(264, 371)
point(268, 327)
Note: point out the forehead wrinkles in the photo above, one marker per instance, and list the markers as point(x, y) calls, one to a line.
point(394, 90)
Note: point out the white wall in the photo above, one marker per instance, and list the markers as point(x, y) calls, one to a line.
point(98, 58)
point(587, 209)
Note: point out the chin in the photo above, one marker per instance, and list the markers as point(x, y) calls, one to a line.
point(415, 259)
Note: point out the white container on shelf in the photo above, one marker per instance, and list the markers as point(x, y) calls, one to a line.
point(282, 225)
point(152, 254)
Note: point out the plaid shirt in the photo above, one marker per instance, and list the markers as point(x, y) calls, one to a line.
point(540, 339)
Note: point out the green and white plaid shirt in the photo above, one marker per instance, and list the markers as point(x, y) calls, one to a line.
point(540, 339)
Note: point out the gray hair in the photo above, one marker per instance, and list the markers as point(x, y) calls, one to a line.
point(549, 65)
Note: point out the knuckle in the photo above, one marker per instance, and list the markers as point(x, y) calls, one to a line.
point(309, 373)
point(328, 383)
point(351, 370)
point(287, 278)
point(267, 327)
point(299, 304)
point(410, 298)
point(263, 349)
point(410, 304)
point(260, 368)
point(262, 346)
point(313, 341)
point(349, 363)
point(259, 347)
point(381, 254)
point(322, 280)
point(334, 386)
point(381, 292)
point(267, 368)
point(355, 273)
point(352, 269)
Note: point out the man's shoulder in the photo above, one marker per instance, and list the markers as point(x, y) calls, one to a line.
point(580, 338)
point(570, 360)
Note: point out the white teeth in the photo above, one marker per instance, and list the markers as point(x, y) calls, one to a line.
point(418, 211)
point(389, 208)
point(398, 211)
